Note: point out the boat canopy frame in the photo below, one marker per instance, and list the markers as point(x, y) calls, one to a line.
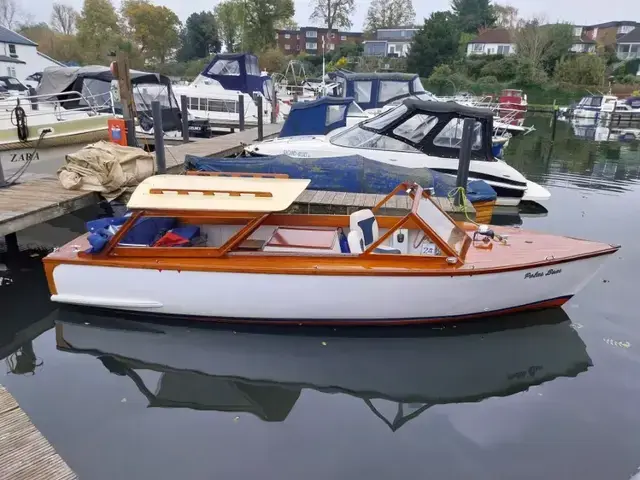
point(451, 253)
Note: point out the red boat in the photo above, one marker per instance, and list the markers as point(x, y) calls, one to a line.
point(512, 106)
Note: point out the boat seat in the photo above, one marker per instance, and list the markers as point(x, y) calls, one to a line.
point(356, 244)
point(364, 222)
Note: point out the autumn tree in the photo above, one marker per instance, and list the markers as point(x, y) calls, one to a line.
point(62, 47)
point(473, 14)
point(506, 16)
point(230, 19)
point(542, 45)
point(436, 43)
point(63, 18)
point(155, 29)
point(98, 30)
point(260, 19)
point(199, 36)
point(333, 13)
point(389, 14)
point(287, 24)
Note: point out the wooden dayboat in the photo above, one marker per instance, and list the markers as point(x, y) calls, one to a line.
point(251, 263)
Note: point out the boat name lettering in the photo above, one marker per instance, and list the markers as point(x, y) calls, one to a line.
point(24, 157)
point(540, 274)
point(296, 153)
point(531, 372)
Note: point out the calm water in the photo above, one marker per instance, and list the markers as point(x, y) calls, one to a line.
point(554, 397)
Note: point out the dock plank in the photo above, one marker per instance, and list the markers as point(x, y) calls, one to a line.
point(25, 454)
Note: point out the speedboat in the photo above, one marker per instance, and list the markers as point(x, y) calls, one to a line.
point(218, 247)
point(214, 94)
point(417, 134)
point(264, 373)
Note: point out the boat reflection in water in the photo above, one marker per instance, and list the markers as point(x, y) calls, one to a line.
point(398, 377)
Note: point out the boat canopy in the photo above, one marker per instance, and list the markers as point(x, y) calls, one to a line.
point(94, 83)
point(319, 117)
point(375, 90)
point(216, 193)
point(235, 71)
point(633, 102)
point(433, 128)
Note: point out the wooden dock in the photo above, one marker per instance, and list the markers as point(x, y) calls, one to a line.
point(24, 452)
point(41, 198)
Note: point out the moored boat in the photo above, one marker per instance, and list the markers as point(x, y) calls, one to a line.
point(196, 245)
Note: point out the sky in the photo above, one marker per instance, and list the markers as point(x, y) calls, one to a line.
point(579, 12)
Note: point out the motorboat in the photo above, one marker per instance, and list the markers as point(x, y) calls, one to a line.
point(214, 94)
point(417, 134)
point(602, 106)
point(72, 107)
point(193, 246)
point(264, 373)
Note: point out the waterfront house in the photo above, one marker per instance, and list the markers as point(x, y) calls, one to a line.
point(629, 45)
point(496, 41)
point(390, 42)
point(309, 40)
point(19, 56)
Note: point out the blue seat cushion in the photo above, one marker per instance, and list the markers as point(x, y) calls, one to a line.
point(148, 230)
point(367, 229)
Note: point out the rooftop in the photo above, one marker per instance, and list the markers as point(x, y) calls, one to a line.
point(216, 193)
point(632, 37)
point(9, 36)
point(495, 35)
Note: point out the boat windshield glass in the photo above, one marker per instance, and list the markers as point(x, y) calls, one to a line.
point(451, 135)
point(357, 137)
point(362, 91)
point(392, 89)
point(341, 88)
point(415, 128)
point(225, 67)
point(417, 85)
point(267, 86)
point(335, 113)
point(355, 110)
point(386, 117)
point(441, 224)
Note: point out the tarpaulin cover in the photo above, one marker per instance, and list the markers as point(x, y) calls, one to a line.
point(354, 174)
point(315, 117)
point(106, 168)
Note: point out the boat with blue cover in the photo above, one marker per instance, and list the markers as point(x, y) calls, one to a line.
point(353, 174)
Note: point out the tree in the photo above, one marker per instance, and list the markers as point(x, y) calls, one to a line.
point(260, 18)
point(9, 13)
point(332, 13)
point(98, 30)
point(542, 45)
point(473, 14)
point(389, 14)
point(272, 60)
point(153, 28)
point(436, 43)
point(582, 70)
point(199, 37)
point(230, 17)
point(62, 47)
point(288, 24)
point(63, 18)
point(506, 16)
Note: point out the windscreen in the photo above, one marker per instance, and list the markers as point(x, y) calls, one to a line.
point(441, 224)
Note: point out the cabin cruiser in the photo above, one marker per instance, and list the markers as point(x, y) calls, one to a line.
point(417, 134)
point(71, 108)
point(214, 93)
point(596, 106)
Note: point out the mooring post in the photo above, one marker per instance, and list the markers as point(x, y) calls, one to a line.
point(260, 119)
point(295, 97)
point(554, 122)
point(184, 111)
point(241, 112)
point(3, 182)
point(158, 135)
point(11, 242)
point(122, 72)
point(274, 105)
point(464, 160)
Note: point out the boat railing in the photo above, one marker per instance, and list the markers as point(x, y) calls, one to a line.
point(42, 105)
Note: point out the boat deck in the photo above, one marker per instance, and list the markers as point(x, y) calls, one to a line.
point(24, 452)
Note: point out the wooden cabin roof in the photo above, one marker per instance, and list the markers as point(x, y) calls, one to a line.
point(216, 193)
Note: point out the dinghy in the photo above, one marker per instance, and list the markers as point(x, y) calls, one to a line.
point(216, 246)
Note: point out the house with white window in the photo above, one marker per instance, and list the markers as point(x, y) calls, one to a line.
point(629, 45)
point(390, 42)
point(496, 41)
point(19, 56)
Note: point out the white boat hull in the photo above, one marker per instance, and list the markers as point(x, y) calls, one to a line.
point(319, 297)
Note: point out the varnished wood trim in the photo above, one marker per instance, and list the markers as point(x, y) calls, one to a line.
point(404, 186)
point(237, 174)
point(388, 234)
point(209, 192)
point(116, 238)
point(242, 234)
point(48, 271)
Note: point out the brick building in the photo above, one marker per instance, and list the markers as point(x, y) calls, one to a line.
point(309, 40)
